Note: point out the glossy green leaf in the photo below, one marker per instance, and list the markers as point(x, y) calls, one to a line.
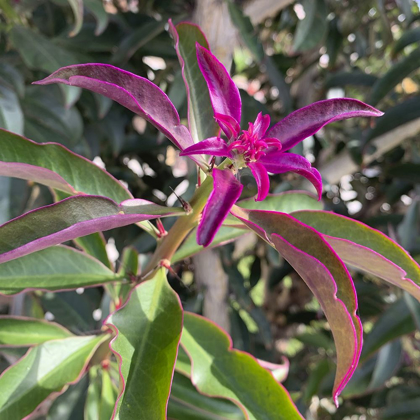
point(200, 112)
point(326, 276)
point(69, 405)
point(366, 249)
point(45, 369)
point(148, 329)
point(55, 166)
point(393, 76)
point(220, 371)
point(21, 331)
point(187, 403)
point(94, 245)
point(312, 28)
point(54, 268)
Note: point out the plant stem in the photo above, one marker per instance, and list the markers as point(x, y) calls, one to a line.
point(176, 235)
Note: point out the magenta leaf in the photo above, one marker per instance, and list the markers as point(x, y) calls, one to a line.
point(214, 146)
point(71, 218)
point(307, 121)
point(134, 92)
point(279, 163)
point(366, 248)
point(261, 177)
point(226, 191)
point(326, 275)
point(224, 94)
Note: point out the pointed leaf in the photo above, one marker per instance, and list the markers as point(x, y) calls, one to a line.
point(326, 276)
point(312, 28)
point(40, 53)
point(220, 371)
point(22, 331)
point(71, 218)
point(54, 268)
point(77, 7)
point(45, 369)
point(224, 94)
point(200, 112)
point(187, 403)
point(55, 166)
point(148, 329)
point(394, 75)
point(101, 16)
point(134, 92)
point(226, 192)
point(366, 249)
point(308, 120)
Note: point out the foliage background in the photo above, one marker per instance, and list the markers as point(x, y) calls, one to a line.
point(285, 55)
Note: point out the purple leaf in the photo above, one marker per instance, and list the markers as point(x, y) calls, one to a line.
point(279, 163)
point(261, 177)
point(226, 191)
point(308, 120)
point(134, 92)
point(366, 248)
point(213, 146)
point(322, 285)
point(325, 274)
point(71, 218)
point(224, 94)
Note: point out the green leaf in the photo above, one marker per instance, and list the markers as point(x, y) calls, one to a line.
point(54, 268)
point(95, 245)
point(200, 112)
point(395, 322)
point(48, 119)
point(393, 76)
point(77, 7)
point(354, 78)
point(220, 371)
point(11, 115)
point(366, 249)
point(101, 16)
point(25, 332)
point(62, 169)
point(148, 329)
point(311, 30)
point(39, 53)
point(69, 405)
point(44, 369)
point(400, 114)
point(247, 31)
point(186, 403)
point(136, 39)
point(408, 37)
